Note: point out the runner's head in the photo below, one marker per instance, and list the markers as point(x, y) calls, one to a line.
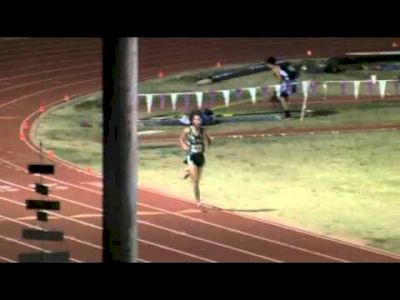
point(271, 61)
point(195, 118)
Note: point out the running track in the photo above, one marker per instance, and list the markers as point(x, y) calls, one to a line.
point(170, 229)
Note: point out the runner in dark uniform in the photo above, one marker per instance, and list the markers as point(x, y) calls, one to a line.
point(287, 86)
point(193, 140)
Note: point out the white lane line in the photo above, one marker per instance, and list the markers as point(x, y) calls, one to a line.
point(176, 251)
point(9, 260)
point(66, 237)
point(181, 233)
point(54, 196)
point(226, 228)
point(247, 217)
point(48, 71)
point(97, 184)
point(46, 61)
point(218, 226)
point(71, 238)
point(55, 214)
point(284, 226)
point(45, 80)
point(32, 246)
point(45, 91)
point(85, 216)
point(7, 188)
point(50, 54)
point(80, 216)
point(100, 228)
point(242, 233)
point(51, 186)
point(96, 216)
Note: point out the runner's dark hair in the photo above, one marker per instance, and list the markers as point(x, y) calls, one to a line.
point(194, 113)
point(271, 60)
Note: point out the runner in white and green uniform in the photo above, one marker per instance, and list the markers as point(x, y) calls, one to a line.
point(195, 142)
point(192, 140)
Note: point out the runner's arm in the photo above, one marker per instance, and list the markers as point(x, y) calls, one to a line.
point(208, 139)
point(276, 73)
point(182, 140)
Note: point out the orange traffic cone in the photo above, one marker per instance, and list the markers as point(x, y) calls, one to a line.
point(309, 53)
point(25, 125)
point(50, 154)
point(66, 98)
point(42, 108)
point(21, 136)
point(394, 45)
point(161, 74)
point(218, 65)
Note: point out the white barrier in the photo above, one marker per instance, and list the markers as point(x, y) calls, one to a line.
point(252, 91)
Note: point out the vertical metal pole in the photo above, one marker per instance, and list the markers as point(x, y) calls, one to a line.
point(120, 82)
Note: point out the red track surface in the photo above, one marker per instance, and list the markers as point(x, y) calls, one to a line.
point(35, 72)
